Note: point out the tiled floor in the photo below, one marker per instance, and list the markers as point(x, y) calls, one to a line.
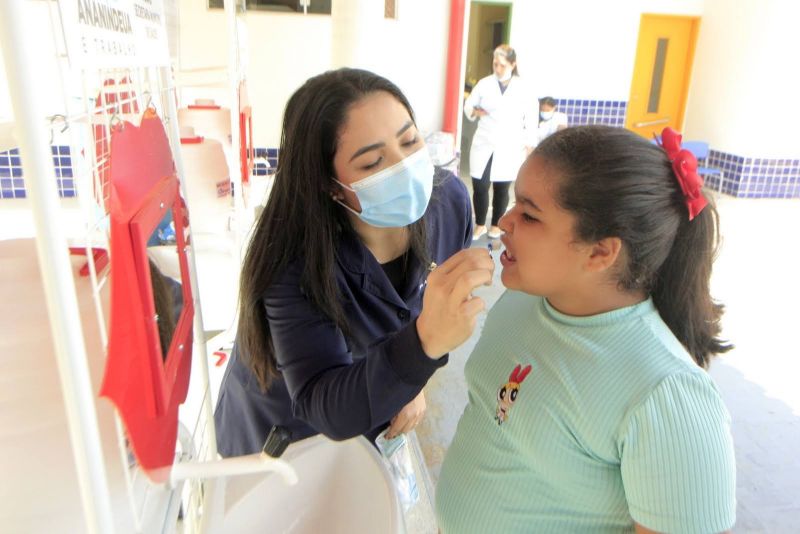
point(758, 279)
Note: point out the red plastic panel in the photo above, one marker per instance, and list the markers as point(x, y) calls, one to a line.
point(145, 386)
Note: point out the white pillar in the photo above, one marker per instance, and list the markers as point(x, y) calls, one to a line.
point(56, 271)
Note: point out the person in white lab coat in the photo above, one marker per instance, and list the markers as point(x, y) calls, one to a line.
point(507, 132)
point(550, 120)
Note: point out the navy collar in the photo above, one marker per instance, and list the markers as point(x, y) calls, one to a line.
point(351, 253)
point(353, 256)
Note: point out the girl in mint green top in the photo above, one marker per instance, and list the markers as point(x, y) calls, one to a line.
point(589, 409)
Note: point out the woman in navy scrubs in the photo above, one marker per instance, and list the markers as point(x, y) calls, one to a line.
point(355, 285)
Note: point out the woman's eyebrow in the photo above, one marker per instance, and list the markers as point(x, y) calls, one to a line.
point(367, 148)
point(376, 146)
point(405, 127)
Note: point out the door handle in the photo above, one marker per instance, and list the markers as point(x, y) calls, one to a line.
point(650, 123)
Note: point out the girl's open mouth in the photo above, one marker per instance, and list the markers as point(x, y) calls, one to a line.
point(506, 258)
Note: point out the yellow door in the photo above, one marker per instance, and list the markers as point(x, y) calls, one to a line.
point(661, 73)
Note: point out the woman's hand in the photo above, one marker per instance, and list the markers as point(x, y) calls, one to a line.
point(479, 112)
point(449, 311)
point(408, 418)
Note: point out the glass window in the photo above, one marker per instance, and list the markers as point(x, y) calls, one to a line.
point(286, 6)
point(658, 75)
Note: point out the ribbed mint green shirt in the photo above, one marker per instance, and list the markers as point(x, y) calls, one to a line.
point(613, 424)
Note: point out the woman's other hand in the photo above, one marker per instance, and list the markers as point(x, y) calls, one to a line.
point(408, 418)
point(449, 311)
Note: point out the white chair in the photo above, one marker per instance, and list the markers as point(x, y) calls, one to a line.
point(700, 151)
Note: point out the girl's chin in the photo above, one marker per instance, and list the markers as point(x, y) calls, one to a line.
point(508, 278)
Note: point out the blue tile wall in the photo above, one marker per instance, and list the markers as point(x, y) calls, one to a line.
point(13, 186)
point(581, 112)
point(744, 177)
point(748, 177)
point(260, 169)
point(62, 161)
point(271, 155)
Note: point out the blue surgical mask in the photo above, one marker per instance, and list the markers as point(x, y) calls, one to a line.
point(396, 196)
point(546, 115)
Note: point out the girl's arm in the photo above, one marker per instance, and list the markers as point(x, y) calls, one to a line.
point(677, 459)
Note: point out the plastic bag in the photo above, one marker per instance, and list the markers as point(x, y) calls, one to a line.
point(398, 454)
point(441, 147)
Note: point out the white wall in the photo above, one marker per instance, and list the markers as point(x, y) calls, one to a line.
point(414, 56)
point(746, 81)
point(287, 49)
point(284, 50)
point(584, 48)
point(5, 97)
point(744, 71)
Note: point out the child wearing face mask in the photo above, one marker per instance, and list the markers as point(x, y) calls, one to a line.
point(589, 406)
point(550, 120)
point(355, 286)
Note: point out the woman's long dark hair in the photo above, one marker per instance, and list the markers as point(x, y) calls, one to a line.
point(300, 221)
point(618, 184)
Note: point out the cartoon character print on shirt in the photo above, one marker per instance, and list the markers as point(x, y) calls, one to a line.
point(508, 392)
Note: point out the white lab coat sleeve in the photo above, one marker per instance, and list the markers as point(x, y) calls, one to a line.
point(531, 117)
point(472, 100)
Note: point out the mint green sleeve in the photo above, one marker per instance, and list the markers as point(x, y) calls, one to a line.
point(677, 458)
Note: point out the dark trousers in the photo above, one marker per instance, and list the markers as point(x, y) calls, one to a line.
point(480, 196)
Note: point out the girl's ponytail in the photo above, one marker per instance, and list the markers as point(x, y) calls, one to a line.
point(681, 289)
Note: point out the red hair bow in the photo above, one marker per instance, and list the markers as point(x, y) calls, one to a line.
point(684, 164)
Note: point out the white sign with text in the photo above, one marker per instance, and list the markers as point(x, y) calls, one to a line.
point(115, 33)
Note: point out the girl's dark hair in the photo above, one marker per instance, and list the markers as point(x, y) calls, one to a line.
point(510, 54)
point(617, 184)
point(300, 221)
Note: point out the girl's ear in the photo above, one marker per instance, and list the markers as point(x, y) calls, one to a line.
point(603, 254)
